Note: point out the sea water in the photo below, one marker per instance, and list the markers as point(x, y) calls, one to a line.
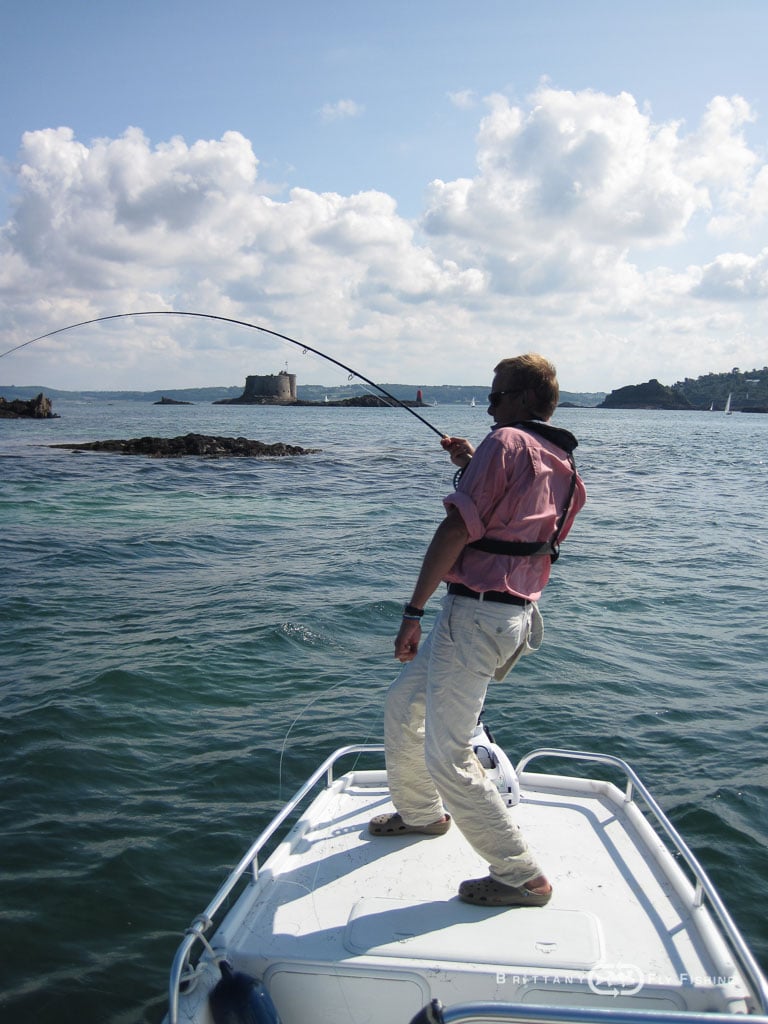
point(183, 641)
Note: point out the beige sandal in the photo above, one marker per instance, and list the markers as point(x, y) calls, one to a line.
point(393, 825)
point(487, 892)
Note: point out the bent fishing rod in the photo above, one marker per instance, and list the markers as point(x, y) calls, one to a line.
point(241, 323)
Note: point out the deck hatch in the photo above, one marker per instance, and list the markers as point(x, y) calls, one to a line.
point(452, 931)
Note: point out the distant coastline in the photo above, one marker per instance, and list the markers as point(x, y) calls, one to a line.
point(308, 395)
point(747, 390)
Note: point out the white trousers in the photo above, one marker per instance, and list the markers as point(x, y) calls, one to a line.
point(431, 711)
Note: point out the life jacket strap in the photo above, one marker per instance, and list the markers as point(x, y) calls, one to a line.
point(518, 548)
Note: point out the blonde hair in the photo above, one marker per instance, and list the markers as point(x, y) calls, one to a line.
point(535, 373)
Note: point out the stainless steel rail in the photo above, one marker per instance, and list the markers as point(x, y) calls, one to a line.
point(203, 922)
point(512, 1013)
point(196, 933)
point(703, 885)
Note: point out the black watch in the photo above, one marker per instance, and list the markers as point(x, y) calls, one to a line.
point(412, 612)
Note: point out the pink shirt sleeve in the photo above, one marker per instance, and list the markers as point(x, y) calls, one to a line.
point(496, 469)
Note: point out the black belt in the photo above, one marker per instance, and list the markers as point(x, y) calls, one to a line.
point(459, 590)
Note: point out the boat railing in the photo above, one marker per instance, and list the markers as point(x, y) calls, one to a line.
point(514, 1013)
point(196, 933)
point(250, 861)
point(702, 884)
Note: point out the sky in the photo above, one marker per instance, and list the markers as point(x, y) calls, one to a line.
point(418, 189)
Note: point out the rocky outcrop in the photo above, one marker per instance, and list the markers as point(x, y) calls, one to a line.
point(171, 401)
point(652, 395)
point(374, 402)
point(360, 402)
point(201, 445)
point(39, 408)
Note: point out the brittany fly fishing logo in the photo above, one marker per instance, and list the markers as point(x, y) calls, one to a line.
point(616, 980)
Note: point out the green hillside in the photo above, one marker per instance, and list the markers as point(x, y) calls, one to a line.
point(748, 389)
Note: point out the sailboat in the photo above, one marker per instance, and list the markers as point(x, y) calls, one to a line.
point(473, 403)
point(728, 404)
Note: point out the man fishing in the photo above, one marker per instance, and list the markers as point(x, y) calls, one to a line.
point(516, 499)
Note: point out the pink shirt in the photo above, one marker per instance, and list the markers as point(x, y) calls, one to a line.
point(515, 488)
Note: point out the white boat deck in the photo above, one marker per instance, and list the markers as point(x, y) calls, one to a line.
point(348, 928)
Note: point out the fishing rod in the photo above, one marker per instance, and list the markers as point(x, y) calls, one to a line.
point(241, 323)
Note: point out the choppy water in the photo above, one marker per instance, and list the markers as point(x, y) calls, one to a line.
point(166, 624)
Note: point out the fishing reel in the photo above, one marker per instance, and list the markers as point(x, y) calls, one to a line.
point(497, 765)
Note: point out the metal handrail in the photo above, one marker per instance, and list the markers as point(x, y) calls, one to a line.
point(703, 884)
point(538, 1015)
point(204, 921)
point(514, 1013)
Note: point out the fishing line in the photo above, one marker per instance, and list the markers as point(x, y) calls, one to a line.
point(283, 337)
point(321, 696)
point(240, 323)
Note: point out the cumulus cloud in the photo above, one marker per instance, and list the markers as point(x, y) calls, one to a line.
point(340, 109)
point(575, 190)
point(585, 164)
point(575, 235)
point(734, 277)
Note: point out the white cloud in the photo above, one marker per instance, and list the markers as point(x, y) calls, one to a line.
point(340, 110)
point(585, 163)
point(588, 231)
point(734, 277)
point(464, 99)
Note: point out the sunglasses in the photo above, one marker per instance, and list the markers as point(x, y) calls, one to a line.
point(496, 396)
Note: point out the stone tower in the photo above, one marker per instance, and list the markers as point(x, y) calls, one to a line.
point(279, 387)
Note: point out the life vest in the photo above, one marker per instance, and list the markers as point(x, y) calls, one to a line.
point(564, 440)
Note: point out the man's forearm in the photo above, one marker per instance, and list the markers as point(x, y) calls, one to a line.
point(445, 547)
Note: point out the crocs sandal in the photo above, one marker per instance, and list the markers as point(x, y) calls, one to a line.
point(393, 825)
point(487, 892)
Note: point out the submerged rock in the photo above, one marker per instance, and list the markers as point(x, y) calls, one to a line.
point(202, 445)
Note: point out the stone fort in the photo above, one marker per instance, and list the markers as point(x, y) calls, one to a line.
point(280, 387)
